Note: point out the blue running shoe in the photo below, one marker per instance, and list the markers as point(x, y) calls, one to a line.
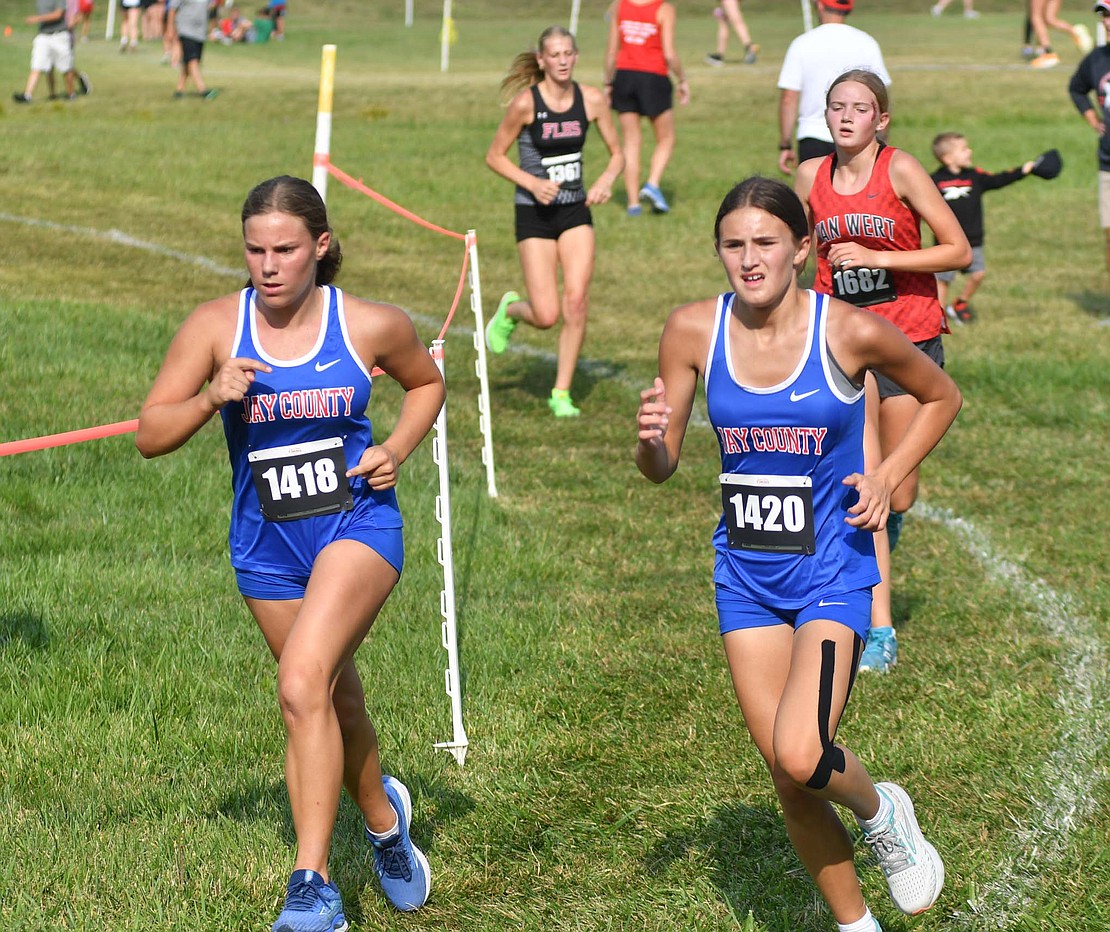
point(653, 194)
point(881, 651)
point(311, 905)
point(400, 865)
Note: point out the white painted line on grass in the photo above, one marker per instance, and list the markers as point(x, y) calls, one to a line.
point(1067, 781)
point(123, 239)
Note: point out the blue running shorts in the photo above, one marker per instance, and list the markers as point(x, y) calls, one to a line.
point(851, 609)
point(388, 543)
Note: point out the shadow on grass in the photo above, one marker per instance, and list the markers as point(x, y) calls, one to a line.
point(537, 373)
point(1094, 303)
point(752, 865)
point(24, 627)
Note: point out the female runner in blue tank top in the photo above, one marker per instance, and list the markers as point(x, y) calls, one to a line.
point(315, 529)
point(783, 370)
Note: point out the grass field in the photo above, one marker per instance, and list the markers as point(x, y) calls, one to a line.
point(610, 784)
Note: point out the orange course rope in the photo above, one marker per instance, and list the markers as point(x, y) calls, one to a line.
point(382, 199)
point(67, 437)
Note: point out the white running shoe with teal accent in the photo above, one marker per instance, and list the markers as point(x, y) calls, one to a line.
point(881, 650)
point(914, 871)
point(501, 325)
point(311, 905)
point(401, 867)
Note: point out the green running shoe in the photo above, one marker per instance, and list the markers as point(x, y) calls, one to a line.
point(501, 325)
point(561, 405)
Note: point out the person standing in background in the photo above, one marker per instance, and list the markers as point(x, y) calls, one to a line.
point(813, 60)
point(640, 56)
point(189, 21)
point(728, 18)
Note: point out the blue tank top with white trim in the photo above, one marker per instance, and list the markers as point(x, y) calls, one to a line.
point(808, 426)
point(322, 395)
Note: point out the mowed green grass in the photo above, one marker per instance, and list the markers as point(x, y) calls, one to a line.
point(610, 784)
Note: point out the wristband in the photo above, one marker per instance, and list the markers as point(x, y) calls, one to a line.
point(785, 147)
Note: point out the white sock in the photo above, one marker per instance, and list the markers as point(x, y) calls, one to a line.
point(382, 836)
point(866, 923)
point(886, 810)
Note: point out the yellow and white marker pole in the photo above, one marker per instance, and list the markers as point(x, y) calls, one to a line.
point(321, 155)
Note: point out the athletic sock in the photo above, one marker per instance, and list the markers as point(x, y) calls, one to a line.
point(382, 836)
point(866, 923)
point(886, 810)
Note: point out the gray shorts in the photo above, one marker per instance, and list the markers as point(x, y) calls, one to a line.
point(1104, 199)
point(932, 348)
point(977, 265)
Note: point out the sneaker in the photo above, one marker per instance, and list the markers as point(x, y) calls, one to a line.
point(750, 54)
point(635, 210)
point(881, 651)
point(561, 405)
point(1045, 60)
point(501, 325)
point(914, 871)
point(21, 98)
point(971, 14)
point(400, 865)
point(1028, 52)
point(177, 95)
point(1082, 36)
point(83, 84)
point(936, 10)
point(714, 59)
point(653, 194)
point(950, 313)
point(311, 905)
point(964, 313)
point(211, 94)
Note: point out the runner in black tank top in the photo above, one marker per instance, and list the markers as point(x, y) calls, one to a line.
point(547, 117)
point(551, 147)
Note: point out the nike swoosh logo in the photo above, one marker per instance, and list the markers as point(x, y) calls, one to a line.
point(869, 196)
point(794, 396)
point(327, 365)
point(824, 604)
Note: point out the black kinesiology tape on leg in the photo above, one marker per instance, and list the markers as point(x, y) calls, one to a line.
point(832, 757)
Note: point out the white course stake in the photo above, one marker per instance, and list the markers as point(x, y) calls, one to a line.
point(485, 420)
point(452, 678)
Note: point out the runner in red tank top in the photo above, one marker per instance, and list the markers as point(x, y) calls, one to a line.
point(640, 56)
point(865, 204)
